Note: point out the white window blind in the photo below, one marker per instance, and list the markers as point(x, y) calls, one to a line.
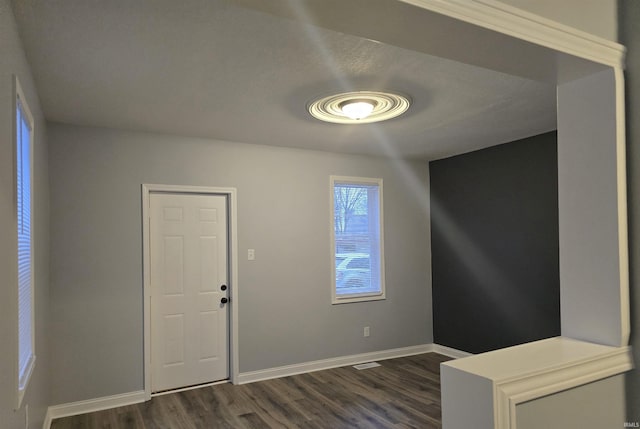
point(24, 175)
point(357, 250)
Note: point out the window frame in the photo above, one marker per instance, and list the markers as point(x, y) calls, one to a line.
point(22, 378)
point(337, 298)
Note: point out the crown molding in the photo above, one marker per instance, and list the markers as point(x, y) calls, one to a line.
point(500, 17)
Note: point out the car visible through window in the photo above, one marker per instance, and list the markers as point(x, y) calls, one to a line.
point(353, 272)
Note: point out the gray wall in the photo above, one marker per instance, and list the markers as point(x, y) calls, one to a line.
point(629, 24)
point(494, 223)
point(13, 61)
point(285, 311)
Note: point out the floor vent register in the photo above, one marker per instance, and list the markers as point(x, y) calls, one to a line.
point(366, 365)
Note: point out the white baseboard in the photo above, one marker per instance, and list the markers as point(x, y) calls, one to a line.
point(301, 368)
point(448, 351)
point(91, 405)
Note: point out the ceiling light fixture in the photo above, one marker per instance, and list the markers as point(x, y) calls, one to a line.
point(359, 107)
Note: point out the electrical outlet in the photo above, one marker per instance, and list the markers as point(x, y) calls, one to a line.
point(366, 331)
point(251, 254)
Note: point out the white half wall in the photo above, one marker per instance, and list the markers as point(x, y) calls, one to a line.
point(595, 405)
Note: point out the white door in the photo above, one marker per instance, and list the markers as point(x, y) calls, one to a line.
point(189, 316)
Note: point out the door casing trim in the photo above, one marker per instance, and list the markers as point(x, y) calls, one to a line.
point(231, 194)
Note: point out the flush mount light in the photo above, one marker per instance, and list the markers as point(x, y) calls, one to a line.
point(359, 107)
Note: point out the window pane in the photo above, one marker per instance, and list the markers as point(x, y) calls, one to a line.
point(357, 239)
point(23, 143)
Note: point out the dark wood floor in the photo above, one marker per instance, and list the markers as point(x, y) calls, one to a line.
point(402, 393)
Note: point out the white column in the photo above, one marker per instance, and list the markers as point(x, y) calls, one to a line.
point(592, 209)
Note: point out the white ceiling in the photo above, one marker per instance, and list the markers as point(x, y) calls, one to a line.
point(210, 68)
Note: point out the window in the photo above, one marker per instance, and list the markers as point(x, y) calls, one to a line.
point(24, 205)
point(356, 240)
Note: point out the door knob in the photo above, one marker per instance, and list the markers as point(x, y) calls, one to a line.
point(224, 300)
point(223, 287)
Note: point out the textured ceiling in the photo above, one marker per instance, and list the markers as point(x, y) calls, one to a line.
point(209, 68)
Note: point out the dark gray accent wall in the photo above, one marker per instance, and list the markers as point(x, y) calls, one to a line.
point(494, 240)
point(629, 26)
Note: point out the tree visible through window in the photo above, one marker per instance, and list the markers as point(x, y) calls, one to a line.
point(350, 201)
point(357, 239)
